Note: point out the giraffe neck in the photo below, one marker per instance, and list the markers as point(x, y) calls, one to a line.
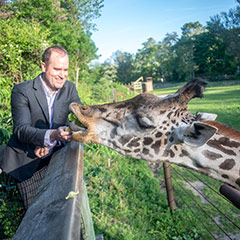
point(218, 158)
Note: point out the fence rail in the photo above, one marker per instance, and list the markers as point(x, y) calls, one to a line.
point(51, 215)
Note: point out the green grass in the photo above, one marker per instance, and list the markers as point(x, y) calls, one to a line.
point(127, 202)
point(224, 101)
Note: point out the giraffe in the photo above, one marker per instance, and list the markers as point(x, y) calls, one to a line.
point(159, 129)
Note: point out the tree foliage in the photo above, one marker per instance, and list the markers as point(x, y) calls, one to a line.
point(211, 51)
point(28, 27)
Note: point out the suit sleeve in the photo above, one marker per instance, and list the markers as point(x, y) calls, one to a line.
point(22, 119)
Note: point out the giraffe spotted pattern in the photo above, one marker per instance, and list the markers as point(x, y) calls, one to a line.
point(162, 129)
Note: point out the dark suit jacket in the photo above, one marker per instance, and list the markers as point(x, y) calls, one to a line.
point(31, 121)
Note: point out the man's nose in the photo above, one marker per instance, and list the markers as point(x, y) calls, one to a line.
point(62, 74)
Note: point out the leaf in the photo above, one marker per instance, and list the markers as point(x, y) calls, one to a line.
point(71, 194)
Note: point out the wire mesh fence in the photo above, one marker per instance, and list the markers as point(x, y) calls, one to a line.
point(208, 210)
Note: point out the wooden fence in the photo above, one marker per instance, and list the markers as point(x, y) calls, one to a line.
point(51, 215)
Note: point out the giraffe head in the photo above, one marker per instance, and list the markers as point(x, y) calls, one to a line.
point(146, 126)
point(153, 128)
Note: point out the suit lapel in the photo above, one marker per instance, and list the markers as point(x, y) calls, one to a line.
point(40, 96)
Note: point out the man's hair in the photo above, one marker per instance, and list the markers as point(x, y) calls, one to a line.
point(48, 52)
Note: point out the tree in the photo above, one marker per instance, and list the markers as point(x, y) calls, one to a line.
point(211, 56)
point(227, 26)
point(192, 29)
point(124, 66)
point(147, 60)
point(68, 23)
point(167, 57)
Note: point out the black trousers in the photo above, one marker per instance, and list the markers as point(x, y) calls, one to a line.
point(28, 188)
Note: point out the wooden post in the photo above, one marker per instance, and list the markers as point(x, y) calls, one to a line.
point(77, 74)
point(169, 186)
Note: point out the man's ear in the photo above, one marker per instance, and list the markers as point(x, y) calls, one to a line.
point(43, 66)
point(196, 134)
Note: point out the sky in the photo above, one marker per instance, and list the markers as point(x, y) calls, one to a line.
point(125, 24)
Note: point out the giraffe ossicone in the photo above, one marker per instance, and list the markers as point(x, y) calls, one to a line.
point(159, 129)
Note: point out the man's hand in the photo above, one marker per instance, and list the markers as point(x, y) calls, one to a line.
point(0, 170)
point(60, 134)
point(41, 151)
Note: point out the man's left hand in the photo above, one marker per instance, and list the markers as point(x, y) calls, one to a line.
point(41, 151)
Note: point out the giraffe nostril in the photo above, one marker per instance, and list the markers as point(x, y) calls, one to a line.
point(84, 108)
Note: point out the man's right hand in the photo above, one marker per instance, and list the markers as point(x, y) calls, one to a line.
point(60, 134)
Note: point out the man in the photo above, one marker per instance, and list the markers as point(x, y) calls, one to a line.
point(40, 114)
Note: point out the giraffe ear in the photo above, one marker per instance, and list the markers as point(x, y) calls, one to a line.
point(197, 134)
point(206, 116)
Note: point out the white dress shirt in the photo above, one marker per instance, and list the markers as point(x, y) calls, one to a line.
point(50, 100)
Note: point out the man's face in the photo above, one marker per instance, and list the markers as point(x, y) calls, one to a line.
point(56, 72)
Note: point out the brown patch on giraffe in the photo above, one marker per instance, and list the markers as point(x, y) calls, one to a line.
point(145, 151)
point(158, 134)
point(137, 150)
point(225, 176)
point(162, 111)
point(169, 152)
point(156, 146)
point(177, 113)
point(169, 115)
point(147, 141)
point(125, 139)
point(226, 142)
point(211, 155)
point(127, 151)
point(227, 164)
point(225, 130)
point(184, 153)
point(218, 145)
point(134, 143)
point(172, 154)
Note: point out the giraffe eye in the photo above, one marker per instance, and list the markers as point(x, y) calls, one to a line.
point(144, 122)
